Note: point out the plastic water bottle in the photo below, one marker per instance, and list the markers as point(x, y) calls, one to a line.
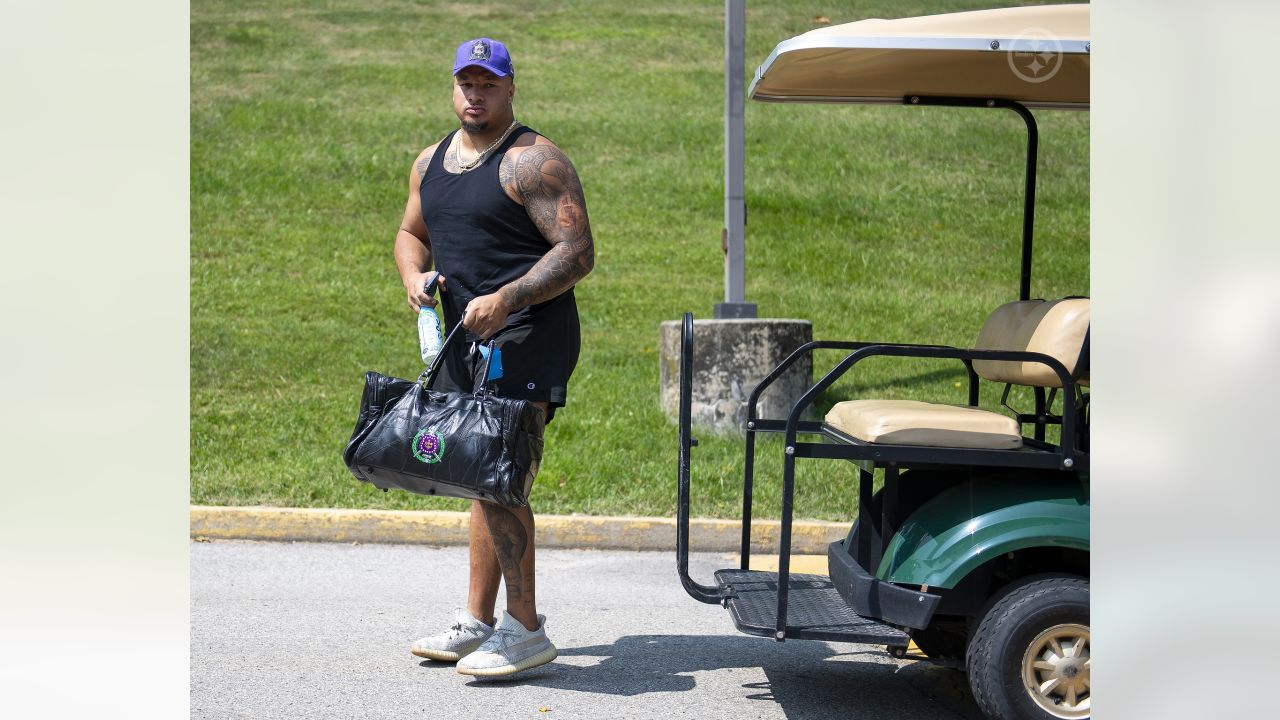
point(429, 338)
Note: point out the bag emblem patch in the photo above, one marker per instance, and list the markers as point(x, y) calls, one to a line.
point(428, 446)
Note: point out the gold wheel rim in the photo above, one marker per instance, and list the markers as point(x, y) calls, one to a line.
point(1055, 671)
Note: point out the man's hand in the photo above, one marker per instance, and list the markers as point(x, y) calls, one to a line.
point(416, 289)
point(486, 315)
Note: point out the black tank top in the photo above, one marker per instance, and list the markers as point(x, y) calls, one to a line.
point(481, 239)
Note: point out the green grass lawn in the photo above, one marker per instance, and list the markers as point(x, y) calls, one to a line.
point(876, 223)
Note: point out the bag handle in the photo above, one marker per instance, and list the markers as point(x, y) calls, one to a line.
point(481, 386)
point(430, 373)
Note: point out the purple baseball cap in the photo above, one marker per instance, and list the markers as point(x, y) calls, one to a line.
point(486, 53)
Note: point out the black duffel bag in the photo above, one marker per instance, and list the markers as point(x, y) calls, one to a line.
point(470, 445)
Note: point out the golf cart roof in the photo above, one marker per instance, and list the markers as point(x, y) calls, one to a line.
point(1037, 56)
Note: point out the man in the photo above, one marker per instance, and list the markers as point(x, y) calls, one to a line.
point(499, 211)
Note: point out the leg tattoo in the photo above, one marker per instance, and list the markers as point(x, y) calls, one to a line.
point(510, 543)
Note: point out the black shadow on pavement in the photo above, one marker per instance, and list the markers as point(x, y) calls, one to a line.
point(807, 679)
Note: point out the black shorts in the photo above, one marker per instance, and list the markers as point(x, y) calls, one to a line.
point(536, 364)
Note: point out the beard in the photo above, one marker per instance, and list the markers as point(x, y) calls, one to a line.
point(473, 127)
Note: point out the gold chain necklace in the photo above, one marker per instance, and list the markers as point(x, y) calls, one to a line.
point(464, 167)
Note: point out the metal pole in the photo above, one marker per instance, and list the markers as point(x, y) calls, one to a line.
point(735, 207)
point(1029, 201)
point(704, 593)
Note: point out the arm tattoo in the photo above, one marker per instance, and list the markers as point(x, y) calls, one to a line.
point(545, 179)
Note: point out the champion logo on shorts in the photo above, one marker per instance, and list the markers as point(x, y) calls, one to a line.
point(531, 386)
point(428, 446)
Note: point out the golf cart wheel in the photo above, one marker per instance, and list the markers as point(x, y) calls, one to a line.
point(1030, 655)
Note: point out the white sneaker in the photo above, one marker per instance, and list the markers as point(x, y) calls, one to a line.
point(465, 635)
point(510, 649)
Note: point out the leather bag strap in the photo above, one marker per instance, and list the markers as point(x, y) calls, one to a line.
point(481, 386)
point(429, 375)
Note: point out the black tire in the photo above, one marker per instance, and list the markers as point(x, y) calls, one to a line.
point(1039, 613)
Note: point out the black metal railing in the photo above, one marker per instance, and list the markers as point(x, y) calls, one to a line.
point(704, 593)
point(1064, 456)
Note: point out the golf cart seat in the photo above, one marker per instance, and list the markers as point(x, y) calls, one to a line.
point(1057, 328)
point(910, 422)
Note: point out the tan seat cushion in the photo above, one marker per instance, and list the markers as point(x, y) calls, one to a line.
point(910, 422)
point(1055, 328)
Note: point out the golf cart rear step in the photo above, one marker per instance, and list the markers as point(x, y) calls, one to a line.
point(815, 611)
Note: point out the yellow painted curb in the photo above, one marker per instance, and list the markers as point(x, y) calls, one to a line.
point(426, 527)
point(806, 564)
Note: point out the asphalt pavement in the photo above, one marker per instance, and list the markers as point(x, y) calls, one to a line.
point(322, 630)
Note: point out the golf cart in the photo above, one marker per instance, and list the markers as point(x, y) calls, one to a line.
point(976, 547)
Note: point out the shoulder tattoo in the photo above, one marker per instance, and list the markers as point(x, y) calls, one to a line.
point(450, 161)
point(547, 183)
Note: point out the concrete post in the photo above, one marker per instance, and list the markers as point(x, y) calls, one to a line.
point(731, 357)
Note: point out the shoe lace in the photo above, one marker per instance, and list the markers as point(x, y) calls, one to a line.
point(457, 629)
point(500, 638)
